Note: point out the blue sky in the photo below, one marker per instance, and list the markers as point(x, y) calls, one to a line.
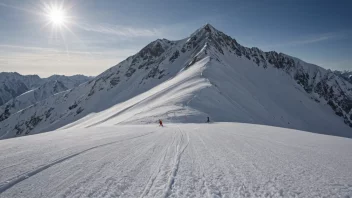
point(100, 34)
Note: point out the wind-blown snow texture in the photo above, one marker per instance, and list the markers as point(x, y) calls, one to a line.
point(206, 74)
point(185, 160)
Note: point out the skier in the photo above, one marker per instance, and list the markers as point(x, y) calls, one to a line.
point(208, 121)
point(161, 123)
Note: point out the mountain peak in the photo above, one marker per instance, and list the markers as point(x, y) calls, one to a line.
point(210, 37)
point(209, 28)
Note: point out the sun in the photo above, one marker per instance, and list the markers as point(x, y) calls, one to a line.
point(57, 16)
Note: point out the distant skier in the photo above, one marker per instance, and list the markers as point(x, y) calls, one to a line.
point(161, 123)
point(208, 120)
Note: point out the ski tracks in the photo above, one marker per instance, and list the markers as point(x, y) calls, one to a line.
point(180, 148)
point(158, 169)
point(162, 180)
point(117, 179)
point(189, 161)
point(17, 179)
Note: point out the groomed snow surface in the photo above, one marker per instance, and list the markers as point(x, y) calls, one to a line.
point(178, 160)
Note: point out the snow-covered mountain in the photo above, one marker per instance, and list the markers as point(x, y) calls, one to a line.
point(33, 89)
point(13, 84)
point(69, 81)
point(347, 75)
point(31, 97)
point(206, 74)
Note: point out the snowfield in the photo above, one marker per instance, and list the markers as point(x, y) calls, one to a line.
point(178, 160)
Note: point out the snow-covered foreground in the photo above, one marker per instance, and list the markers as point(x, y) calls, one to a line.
point(185, 160)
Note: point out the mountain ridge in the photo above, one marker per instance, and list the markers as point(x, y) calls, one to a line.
point(30, 89)
point(197, 67)
point(14, 84)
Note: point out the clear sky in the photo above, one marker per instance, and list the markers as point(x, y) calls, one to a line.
point(93, 35)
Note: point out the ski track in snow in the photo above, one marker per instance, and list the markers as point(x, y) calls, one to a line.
point(184, 160)
point(8, 184)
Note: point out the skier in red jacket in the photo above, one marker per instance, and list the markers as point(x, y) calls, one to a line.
point(161, 123)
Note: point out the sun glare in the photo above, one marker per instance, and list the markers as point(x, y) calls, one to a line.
point(57, 17)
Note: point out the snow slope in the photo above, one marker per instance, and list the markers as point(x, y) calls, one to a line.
point(206, 74)
point(203, 90)
point(179, 160)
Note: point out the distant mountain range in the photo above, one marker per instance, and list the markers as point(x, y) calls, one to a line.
point(21, 91)
point(208, 74)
